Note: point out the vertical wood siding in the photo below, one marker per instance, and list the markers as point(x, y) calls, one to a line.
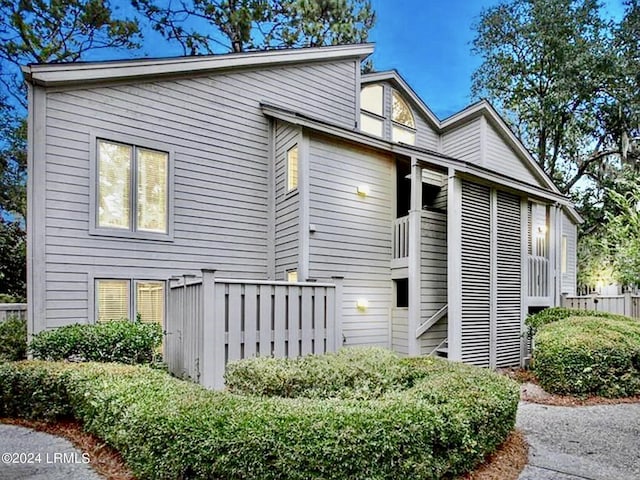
point(463, 143)
point(221, 149)
point(434, 277)
point(569, 277)
point(501, 158)
point(509, 279)
point(252, 318)
point(476, 274)
point(287, 205)
point(353, 233)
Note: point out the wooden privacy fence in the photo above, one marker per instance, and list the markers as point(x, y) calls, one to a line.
point(212, 321)
point(626, 304)
point(12, 310)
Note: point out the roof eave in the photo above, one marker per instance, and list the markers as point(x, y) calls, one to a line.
point(69, 73)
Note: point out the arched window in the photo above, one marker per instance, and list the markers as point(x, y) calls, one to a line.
point(376, 119)
point(403, 125)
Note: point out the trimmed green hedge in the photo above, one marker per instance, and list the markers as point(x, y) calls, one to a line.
point(120, 341)
point(434, 420)
point(554, 314)
point(587, 355)
point(13, 339)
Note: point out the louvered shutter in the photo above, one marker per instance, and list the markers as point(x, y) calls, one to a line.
point(476, 274)
point(509, 266)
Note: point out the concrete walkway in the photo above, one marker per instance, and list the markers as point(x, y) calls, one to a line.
point(29, 455)
point(577, 443)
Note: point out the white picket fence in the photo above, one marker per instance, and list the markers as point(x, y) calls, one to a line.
point(626, 304)
point(213, 321)
point(12, 310)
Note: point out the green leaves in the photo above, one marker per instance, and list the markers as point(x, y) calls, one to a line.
point(587, 355)
point(115, 341)
point(166, 428)
point(241, 25)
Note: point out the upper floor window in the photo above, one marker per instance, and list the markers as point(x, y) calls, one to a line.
point(372, 110)
point(403, 125)
point(132, 188)
point(292, 168)
point(374, 115)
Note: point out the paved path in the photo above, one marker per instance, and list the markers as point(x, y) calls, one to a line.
point(29, 455)
point(577, 443)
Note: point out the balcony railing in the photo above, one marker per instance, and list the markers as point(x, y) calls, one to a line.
point(401, 238)
point(538, 276)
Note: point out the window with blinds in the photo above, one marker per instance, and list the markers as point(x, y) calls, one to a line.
point(150, 302)
point(133, 191)
point(292, 168)
point(112, 299)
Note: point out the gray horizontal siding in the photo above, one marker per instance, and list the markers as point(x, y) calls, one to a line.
point(287, 204)
point(353, 234)
point(433, 277)
point(399, 330)
point(500, 157)
point(219, 136)
point(464, 142)
point(570, 230)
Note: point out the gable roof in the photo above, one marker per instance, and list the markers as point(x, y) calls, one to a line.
point(467, 114)
point(394, 77)
point(52, 74)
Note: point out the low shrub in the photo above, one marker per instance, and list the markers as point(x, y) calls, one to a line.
point(554, 314)
point(115, 341)
point(13, 339)
point(589, 356)
point(434, 420)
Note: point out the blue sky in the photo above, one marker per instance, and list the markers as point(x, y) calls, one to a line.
point(429, 43)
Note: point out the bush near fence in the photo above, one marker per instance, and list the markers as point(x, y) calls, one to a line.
point(120, 341)
point(586, 353)
point(430, 420)
point(13, 339)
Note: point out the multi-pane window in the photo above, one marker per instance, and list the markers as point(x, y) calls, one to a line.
point(373, 116)
point(403, 125)
point(132, 188)
point(292, 276)
point(117, 299)
point(292, 168)
point(372, 110)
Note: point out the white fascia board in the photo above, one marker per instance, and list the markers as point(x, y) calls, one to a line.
point(395, 77)
point(485, 108)
point(424, 156)
point(65, 73)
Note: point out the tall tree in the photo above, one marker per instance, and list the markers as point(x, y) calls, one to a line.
point(548, 64)
point(39, 31)
point(211, 26)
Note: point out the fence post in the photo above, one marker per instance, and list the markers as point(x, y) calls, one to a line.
point(213, 345)
point(627, 304)
point(337, 314)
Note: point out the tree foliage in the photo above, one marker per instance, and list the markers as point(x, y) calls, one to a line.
point(210, 26)
point(567, 80)
point(548, 65)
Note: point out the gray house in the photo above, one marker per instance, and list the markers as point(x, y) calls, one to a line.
point(335, 202)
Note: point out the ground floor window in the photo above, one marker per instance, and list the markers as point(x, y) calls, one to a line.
point(130, 298)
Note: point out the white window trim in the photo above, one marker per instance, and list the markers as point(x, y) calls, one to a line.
point(135, 142)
